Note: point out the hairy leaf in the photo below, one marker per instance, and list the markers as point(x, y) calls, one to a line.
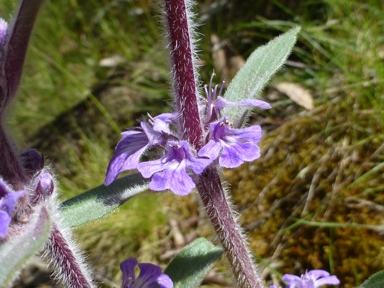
point(102, 200)
point(375, 281)
point(18, 250)
point(191, 264)
point(261, 65)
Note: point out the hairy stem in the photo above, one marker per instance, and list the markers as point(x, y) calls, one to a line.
point(184, 85)
point(67, 261)
point(228, 231)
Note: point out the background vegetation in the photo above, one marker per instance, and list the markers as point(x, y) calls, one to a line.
point(314, 199)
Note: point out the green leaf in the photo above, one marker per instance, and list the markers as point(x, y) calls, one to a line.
point(16, 252)
point(254, 75)
point(375, 281)
point(102, 200)
point(191, 264)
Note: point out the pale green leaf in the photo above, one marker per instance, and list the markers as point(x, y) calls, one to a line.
point(18, 250)
point(102, 200)
point(375, 281)
point(191, 264)
point(261, 65)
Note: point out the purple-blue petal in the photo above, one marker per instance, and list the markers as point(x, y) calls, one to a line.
point(290, 278)
point(221, 102)
point(329, 280)
point(236, 145)
point(148, 168)
point(175, 179)
point(128, 269)
point(152, 276)
point(211, 150)
point(236, 154)
point(121, 162)
point(162, 122)
point(164, 281)
point(8, 203)
point(5, 220)
point(311, 279)
point(316, 274)
point(170, 172)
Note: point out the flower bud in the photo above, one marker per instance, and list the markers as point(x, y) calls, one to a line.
point(44, 188)
point(32, 161)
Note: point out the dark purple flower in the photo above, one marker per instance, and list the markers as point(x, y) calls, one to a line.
point(8, 200)
point(170, 171)
point(150, 275)
point(311, 279)
point(232, 146)
point(136, 142)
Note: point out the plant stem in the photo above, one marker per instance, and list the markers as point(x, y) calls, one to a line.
point(228, 231)
point(209, 186)
point(184, 84)
point(67, 261)
point(11, 168)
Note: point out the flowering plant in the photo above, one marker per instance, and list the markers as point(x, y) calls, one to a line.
point(179, 151)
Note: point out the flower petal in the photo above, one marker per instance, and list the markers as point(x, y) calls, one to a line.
point(123, 162)
point(128, 269)
point(8, 203)
point(211, 150)
point(221, 102)
point(175, 179)
point(236, 154)
point(329, 280)
point(5, 220)
point(152, 276)
point(316, 274)
point(148, 168)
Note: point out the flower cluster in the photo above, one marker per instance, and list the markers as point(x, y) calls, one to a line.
point(178, 162)
point(311, 279)
point(150, 275)
point(38, 188)
point(24, 182)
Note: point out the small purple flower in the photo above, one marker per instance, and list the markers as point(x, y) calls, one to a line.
point(232, 146)
point(8, 200)
point(216, 103)
point(150, 275)
point(311, 279)
point(170, 171)
point(136, 141)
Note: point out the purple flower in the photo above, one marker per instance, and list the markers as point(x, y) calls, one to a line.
point(170, 171)
point(216, 103)
point(311, 279)
point(150, 275)
point(232, 146)
point(136, 141)
point(8, 200)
